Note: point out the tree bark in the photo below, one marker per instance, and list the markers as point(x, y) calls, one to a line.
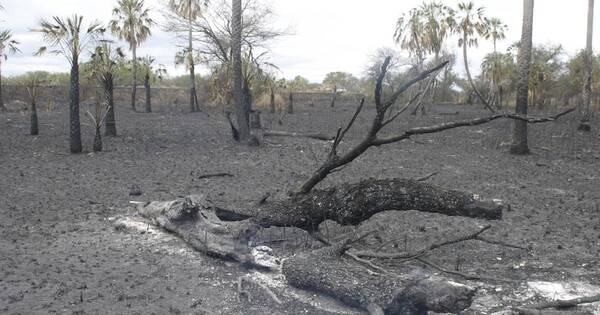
point(75, 128)
point(2, 106)
point(229, 233)
point(34, 130)
point(134, 77)
point(194, 106)
point(350, 204)
point(415, 292)
point(148, 93)
point(589, 65)
point(232, 234)
point(272, 102)
point(97, 141)
point(110, 126)
point(238, 93)
point(247, 97)
point(520, 145)
point(333, 96)
point(290, 107)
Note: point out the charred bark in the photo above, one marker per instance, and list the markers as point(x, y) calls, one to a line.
point(350, 204)
point(229, 233)
point(97, 147)
point(233, 234)
point(110, 126)
point(200, 225)
point(290, 107)
point(148, 93)
point(74, 124)
point(34, 130)
point(414, 292)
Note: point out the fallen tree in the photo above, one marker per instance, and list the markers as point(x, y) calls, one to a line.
point(337, 269)
point(312, 135)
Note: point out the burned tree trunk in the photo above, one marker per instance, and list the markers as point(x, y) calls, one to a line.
point(290, 107)
point(334, 96)
point(34, 130)
point(110, 126)
point(415, 292)
point(97, 147)
point(228, 233)
point(272, 101)
point(148, 93)
point(350, 204)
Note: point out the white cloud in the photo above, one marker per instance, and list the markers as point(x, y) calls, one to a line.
point(331, 35)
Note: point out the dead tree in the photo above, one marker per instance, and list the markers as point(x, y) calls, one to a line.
point(384, 117)
point(336, 269)
point(290, 107)
point(334, 94)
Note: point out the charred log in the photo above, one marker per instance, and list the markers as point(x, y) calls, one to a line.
point(350, 204)
point(415, 292)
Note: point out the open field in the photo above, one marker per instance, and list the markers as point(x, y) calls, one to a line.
point(59, 253)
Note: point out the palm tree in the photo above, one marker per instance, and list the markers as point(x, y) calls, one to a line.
point(437, 24)
point(7, 46)
point(104, 64)
point(68, 37)
point(587, 82)
point(131, 23)
point(236, 52)
point(519, 145)
point(469, 22)
point(501, 69)
point(147, 64)
point(496, 31)
point(189, 10)
point(409, 34)
point(32, 85)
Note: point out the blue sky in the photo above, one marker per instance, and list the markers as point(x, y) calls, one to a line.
point(327, 35)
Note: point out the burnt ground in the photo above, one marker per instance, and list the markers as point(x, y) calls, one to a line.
point(59, 252)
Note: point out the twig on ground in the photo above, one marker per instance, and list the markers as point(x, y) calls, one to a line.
point(316, 136)
point(460, 274)
point(562, 304)
point(421, 252)
point(485, 240)
point(367, 263)
point(215, 175)
point(426, 177)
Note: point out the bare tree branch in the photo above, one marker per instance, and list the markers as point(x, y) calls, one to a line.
point(466, 123)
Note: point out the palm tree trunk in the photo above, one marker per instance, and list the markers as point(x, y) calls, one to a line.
point(520, 145)
point(272, 101)
point(194, 106)
point(290, 107)
point(110, 126)
point(587, 82)
point(34, 130)
point(134, 78)
point(434, 90)
point(493, 84)
point(236, 47)
point(468, 72)
point(97, 147)
point(333, 96)
point(75, 128)
point(148, 93)
point(2, 106)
